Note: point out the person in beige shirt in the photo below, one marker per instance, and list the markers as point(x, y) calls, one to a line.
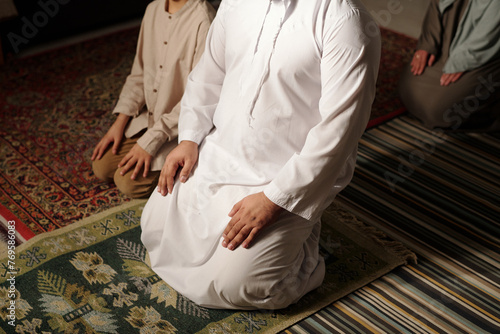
point(171, 41)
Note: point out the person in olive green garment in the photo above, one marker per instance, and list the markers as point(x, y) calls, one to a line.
point(453, 80)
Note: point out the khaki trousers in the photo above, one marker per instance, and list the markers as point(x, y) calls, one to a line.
point(107, 169)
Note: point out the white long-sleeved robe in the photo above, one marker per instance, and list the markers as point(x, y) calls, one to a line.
point(277, 103)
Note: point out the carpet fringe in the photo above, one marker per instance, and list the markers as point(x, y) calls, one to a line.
point(395, 247)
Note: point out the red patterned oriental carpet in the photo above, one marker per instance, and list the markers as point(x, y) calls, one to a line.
point(54, 108)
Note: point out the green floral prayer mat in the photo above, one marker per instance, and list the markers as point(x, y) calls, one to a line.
point(92, 277)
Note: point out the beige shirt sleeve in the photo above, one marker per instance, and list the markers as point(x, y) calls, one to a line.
point(132, 98)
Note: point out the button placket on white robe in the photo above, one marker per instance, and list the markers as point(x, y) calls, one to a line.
point(258, 62)
point(298, 93)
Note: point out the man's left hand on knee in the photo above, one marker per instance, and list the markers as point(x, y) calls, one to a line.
point(248, 217)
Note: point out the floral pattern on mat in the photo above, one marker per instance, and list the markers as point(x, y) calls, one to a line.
point(93, 277)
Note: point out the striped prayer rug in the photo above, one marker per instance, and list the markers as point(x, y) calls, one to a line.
point(438, 193)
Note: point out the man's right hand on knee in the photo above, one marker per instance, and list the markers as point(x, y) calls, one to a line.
point(181, 160)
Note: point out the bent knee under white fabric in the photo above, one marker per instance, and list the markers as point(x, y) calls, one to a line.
point(276, 271)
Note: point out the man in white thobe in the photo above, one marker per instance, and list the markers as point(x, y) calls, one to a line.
point(268, 133)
